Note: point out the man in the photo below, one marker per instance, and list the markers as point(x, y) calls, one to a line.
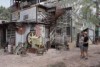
point(85, 45)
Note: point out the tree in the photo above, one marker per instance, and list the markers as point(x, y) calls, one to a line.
point(83, 9)
point(88, 13)
point(4, 13)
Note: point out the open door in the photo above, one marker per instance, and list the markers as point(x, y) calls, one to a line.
point(2, 36)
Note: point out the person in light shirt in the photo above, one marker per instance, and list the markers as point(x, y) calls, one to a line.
point(81, 39)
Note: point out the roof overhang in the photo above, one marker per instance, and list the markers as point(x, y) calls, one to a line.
point(46, 5)
point(17, 0)
point(24, 22)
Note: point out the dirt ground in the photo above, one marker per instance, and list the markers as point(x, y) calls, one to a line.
point(53, 58)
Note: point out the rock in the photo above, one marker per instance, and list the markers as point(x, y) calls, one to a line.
point(58, 64)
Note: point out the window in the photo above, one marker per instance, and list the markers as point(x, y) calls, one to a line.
point(11, 34)
point(68, 31)
point(25, 17)
point(58, 31)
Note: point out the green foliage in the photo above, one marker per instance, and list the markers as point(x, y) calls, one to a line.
point(1, 9)
point(94, 19)
point(4, 13)
point(87, 12)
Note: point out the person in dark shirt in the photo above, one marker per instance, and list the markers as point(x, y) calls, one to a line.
point(85, 45)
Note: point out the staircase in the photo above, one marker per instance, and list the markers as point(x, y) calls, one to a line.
point(50, 17)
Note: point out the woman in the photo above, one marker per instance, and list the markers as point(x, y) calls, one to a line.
point(81, 39)
point(85, 45)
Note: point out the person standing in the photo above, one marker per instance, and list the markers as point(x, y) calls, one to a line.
point(81, 39)
point(85, 45)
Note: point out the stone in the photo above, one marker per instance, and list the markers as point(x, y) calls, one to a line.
point(58, 64)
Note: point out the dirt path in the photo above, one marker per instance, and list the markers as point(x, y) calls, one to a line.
point(53, 58)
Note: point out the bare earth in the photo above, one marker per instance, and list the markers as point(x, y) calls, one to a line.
point(53, 58)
